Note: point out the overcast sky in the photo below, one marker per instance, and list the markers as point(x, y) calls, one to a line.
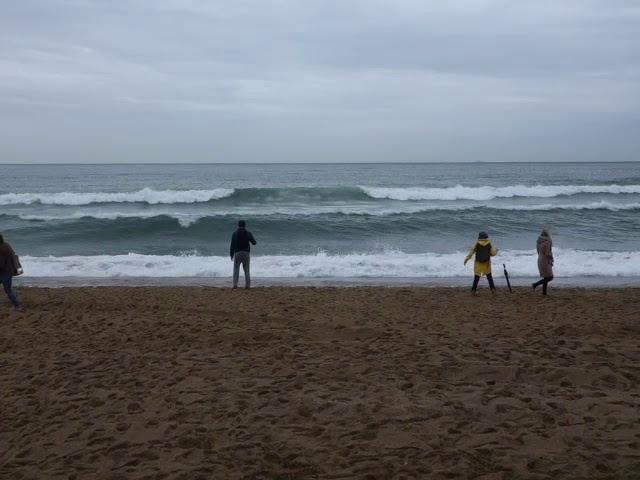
point(319, 80)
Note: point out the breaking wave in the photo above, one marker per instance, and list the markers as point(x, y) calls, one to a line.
point(146, 195)
point(460, 192)
point(311, 195)
point(569, 263)
point(187, 219)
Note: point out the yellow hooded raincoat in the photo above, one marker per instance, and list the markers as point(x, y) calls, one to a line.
point(481, 268)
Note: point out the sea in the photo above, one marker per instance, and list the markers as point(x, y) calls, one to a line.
point(383, 222)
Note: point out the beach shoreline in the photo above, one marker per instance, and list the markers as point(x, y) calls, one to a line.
point(257, 282)
point(295, 382)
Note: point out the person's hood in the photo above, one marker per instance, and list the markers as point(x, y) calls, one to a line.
point(542, 239)
point(484, 242)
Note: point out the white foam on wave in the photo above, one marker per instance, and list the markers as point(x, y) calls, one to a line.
point(184, 219)
point(569, 263)
point(460, 192)
point(602, 205)
point(146, 195)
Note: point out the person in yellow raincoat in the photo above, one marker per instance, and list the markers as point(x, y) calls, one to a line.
point(483, 250)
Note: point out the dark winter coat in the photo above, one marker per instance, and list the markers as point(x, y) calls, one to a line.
point(241, 241)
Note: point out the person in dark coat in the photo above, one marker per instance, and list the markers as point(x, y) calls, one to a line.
point(240, 249)
point(8, 269)
point(544, 246)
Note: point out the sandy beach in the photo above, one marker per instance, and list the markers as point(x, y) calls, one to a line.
point(320, 383)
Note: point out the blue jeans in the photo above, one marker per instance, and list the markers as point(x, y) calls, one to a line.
point(6, 280)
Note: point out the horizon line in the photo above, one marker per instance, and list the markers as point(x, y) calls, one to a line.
point(331, 163)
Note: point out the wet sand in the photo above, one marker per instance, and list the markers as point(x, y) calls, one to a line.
point(296, 383)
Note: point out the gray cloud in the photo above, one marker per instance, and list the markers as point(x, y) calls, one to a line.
point(281, 80)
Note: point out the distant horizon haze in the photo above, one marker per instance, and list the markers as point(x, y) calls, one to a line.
point(460, 162)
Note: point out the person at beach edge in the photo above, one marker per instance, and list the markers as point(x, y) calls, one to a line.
point(483, 250)
point(8, 269)
point(240, 249)
point(544, 247)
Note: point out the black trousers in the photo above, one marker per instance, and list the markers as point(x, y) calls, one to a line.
point(544, 282)
point(476, 279)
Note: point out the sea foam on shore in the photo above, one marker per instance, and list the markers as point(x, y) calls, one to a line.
point(570, 263)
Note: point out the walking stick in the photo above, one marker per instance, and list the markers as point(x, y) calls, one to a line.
point(506, 275)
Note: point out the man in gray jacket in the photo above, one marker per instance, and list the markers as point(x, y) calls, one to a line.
point(240, 249)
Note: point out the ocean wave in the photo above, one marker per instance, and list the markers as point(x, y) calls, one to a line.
point(255, 196)
point(311, 195)
point(186, 219)
point(484, 193)
point(146, 195)
point(569, 263)
point(298, 195)
point(601, 205)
